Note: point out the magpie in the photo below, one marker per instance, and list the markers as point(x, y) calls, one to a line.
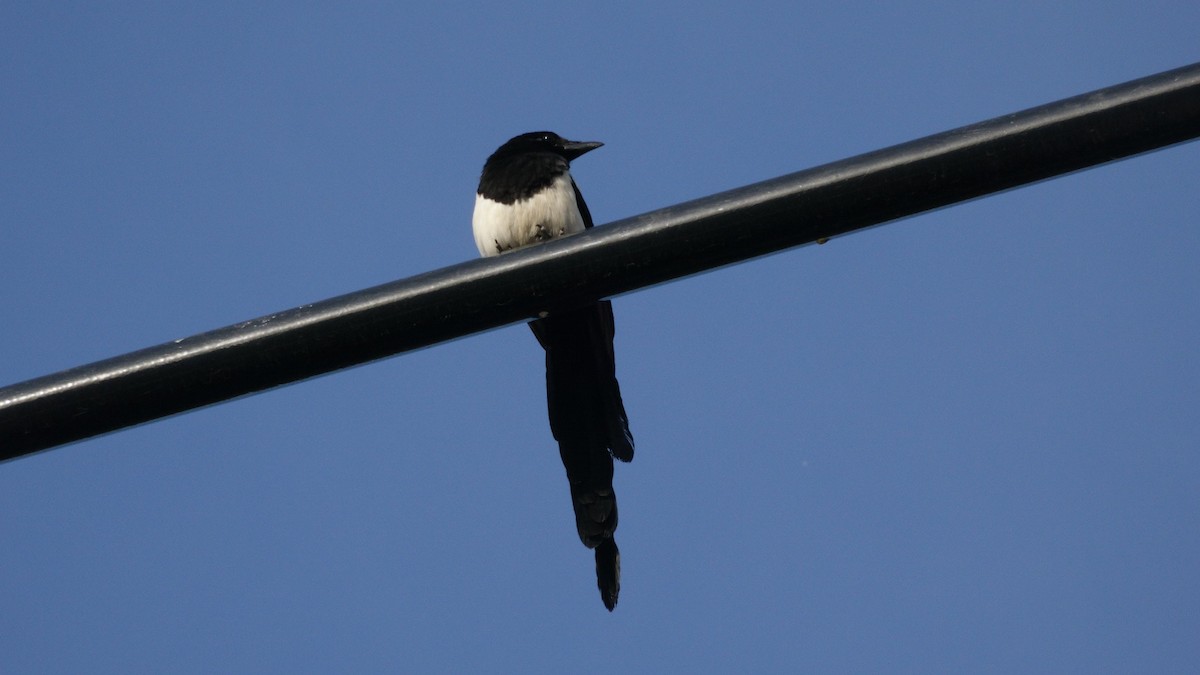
point(526, 195)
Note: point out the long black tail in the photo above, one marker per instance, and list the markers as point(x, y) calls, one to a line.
point(588, 420)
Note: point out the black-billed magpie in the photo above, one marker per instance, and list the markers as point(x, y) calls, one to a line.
point(526, 195)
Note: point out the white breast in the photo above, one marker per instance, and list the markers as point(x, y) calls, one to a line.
point(549, 214)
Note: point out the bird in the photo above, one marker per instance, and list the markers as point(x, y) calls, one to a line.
point(526, 195)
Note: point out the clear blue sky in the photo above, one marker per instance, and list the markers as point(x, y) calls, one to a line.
point(964, 442)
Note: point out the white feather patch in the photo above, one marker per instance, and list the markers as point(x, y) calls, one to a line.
point(549, 214)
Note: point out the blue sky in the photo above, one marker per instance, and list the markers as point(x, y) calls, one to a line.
point(963, 442)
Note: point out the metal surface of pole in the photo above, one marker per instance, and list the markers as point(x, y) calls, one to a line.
point(670, 243)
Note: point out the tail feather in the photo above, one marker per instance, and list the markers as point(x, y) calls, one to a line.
point(595, 513)
point(608, 572)
point(620, 440)
point(587, 418)
point(582, 391)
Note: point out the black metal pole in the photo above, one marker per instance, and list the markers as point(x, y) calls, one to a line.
point(670, 243)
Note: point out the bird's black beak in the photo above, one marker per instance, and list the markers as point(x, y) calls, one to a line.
point(573, 149)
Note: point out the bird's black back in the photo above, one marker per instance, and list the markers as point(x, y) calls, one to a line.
point(510, 178)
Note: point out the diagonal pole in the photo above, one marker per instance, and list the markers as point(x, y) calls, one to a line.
point(677, 241)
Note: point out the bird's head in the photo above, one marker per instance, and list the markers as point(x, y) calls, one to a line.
point(546, 141)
